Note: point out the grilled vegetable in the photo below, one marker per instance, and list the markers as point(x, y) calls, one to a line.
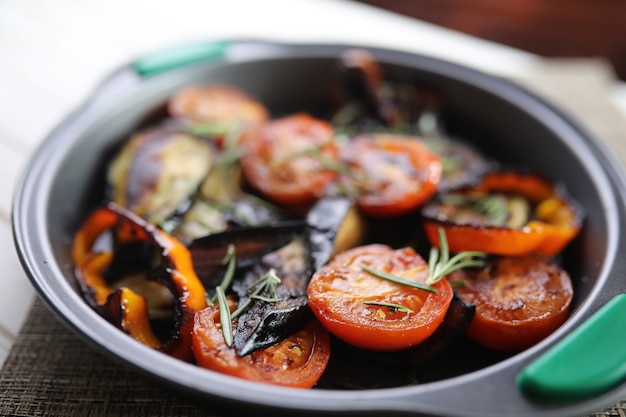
point(371, 313)
point(250, 243)
point(506, 214)
point(287, 160)
point(171, 267)
point(216, 110)
point(221, 204)
point(157, 171)
point(365, 101)
point(448, 333)
point(240, 242)
point(519, 300)
point(390, 175)
point(299, 360)
point(463, 165)
point(359, 78)
point(273, 311)
point(333, 226)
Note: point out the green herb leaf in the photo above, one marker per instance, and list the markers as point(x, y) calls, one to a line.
point(231, 262)
point(215, 128)
point(398, 280)
point(391, 306)
point(267, 284)
point(494, 206)
point(457, 284)
point(225, 317)
point(440, 264)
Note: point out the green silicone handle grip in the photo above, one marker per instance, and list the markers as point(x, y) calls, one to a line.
point(178, 56)
point(587, 362)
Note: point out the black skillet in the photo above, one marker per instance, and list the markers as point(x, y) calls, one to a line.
point(60, 186)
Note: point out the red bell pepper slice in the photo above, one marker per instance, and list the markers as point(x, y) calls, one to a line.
point(554, 220)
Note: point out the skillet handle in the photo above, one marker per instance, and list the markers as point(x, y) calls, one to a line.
point(589, 361)
point(179, 56)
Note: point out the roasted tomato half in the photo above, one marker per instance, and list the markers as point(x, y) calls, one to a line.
point(519, 300)
point(371, 313)
point(297, 361)
point(217, 109)
point(287, 160)
point(508, 214)
point(390, 174)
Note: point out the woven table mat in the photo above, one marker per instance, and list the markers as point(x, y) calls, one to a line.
point(51, 372)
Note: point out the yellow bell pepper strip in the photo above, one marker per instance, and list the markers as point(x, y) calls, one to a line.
point(123, 306)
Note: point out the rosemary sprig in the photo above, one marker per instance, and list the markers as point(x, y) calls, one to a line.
point(230, 261)
point(225, 317)
point(440, 264)
point(391, 306)
point(397, 279)
point(220, 295)
point(494, 206)
point(267, 284)
point(213, 128)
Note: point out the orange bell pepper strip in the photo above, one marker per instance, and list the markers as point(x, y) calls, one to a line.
point(554, 221)
point(122, 306)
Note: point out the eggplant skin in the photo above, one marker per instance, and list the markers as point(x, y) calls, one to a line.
point(334, 225)
point(157, 170)
point(250, 243)
point(266, 323)
point(275, 324)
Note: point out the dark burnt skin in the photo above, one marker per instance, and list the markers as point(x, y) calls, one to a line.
point(324, 221)
point(264, 324)
point(251, 244)
point(358, 78)
point(165, 262)
point(146, 175)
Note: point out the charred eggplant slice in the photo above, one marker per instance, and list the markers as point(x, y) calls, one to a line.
point(275, 292)
point(333, 225)
point(250, 243)
point(157, 171)
point(221, 204)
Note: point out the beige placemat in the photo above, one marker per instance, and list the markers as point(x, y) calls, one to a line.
point(50, 372)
